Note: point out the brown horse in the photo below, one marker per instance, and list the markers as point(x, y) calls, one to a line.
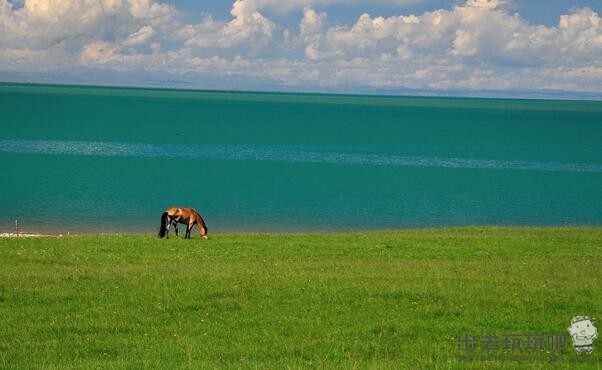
point(186, 216)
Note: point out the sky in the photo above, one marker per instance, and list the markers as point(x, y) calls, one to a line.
point(435, 47)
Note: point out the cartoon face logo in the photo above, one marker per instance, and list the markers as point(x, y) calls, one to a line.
point(583, 332)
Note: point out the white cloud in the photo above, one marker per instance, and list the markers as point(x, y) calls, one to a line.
point(142, 36)
point(485, 4)
point(284, 6)
point(474, 34)
point(247, 26)
point(479, 44)
point(312, 22)
point(310, 31)
point(47, 22)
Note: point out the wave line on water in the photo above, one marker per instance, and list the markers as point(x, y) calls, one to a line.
point(298, 154)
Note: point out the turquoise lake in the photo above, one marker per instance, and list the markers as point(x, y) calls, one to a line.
point(99, 159)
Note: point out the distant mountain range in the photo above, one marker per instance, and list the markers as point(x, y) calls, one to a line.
point(237, 82)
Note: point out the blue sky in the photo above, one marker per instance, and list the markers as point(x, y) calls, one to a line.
point(459, 47)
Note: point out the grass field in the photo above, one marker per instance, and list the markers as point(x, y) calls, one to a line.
point(342, 300)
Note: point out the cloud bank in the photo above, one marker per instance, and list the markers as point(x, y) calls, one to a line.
point(478, 44)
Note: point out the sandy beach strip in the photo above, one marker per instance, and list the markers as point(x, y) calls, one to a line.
point(25, 235)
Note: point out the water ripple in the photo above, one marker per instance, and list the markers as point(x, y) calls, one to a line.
point(298, 154)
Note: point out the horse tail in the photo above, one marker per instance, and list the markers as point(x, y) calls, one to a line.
point(163, 229)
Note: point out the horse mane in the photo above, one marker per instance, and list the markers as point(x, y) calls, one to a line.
point(200, 220)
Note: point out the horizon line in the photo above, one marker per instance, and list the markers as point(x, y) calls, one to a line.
point(434, 95)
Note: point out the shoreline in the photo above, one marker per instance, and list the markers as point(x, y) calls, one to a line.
point(28, 235)
point(47, 234)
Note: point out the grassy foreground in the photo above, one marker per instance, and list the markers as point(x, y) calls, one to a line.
point(342, 300)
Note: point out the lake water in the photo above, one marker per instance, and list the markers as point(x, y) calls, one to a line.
point(112, 159)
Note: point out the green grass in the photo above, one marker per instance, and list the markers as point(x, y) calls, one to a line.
point(342, 300)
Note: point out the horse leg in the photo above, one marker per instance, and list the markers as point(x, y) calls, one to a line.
point(191, 224)
point(175, 226)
